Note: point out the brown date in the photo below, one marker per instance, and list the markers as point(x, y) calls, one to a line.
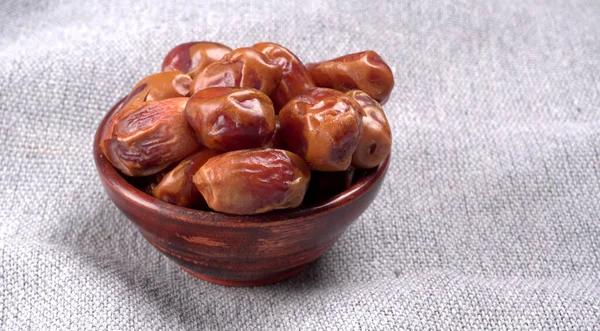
point(359, 71)
point(227, 118)
point(295, 80)
point(243, 67)
point(160, 86)
point(146, 138)
point(193, 57)
point(253, 181)
point(176, 187)
point(323, 126)
point(375, 143)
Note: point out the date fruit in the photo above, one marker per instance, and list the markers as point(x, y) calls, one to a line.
point(295, 80)
point(146, 138)
point(254, 181)
point(160, 86)
point(375, 143)
point(364, 71)
point(193, 57)
point(176, 187)
point(227, 118)
point(323, 126)
point(243, 67)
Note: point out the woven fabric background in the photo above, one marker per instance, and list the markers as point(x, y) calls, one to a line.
point(488, 218)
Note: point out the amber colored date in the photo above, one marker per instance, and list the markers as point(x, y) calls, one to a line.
point(160, 86)
point(295, 80)
point(323, 126)
point(375, 143)
point(243, 67)
point(227, 118)
point(254, 181)
point(144, 139)
point(176, 186)
point(364, 71)
point(193, 57)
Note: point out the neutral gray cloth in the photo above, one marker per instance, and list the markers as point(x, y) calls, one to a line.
point(488, 218)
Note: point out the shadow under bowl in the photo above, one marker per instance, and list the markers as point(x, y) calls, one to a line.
point(237, 250)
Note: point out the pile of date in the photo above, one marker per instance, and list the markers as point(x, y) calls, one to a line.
point(251, 130)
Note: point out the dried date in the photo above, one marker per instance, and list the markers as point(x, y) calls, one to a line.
point(191, 58)
point(243, 67)
point(375, 143)
point(176, 186)
point(144, 139)
point(323, 126)
point(227, 118)
point(295, 79)
point(364, 71)
point(160, 86)
point(254, 181)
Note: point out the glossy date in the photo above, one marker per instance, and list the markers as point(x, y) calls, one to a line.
point(375, 142)
point(145, 139)
point(243, 67)
point(323, 126)
point(364, 71)
point(193, 57)
point(254, 181)
point(176, 186)
point(227, 118)
point(160, 86)
point(295, 79)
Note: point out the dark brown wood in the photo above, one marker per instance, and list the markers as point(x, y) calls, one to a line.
point(238, 250)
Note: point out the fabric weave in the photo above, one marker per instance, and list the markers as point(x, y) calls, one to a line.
point(488, 218)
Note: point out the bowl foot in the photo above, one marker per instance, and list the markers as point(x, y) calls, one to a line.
point(253, 282)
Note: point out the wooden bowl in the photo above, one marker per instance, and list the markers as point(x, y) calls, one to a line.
point(238, 250)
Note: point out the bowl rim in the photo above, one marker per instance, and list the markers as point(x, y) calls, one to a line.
point(110, 176)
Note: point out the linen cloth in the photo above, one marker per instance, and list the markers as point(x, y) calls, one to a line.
point(487, 219)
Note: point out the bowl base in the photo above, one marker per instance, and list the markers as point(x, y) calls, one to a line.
point(253, 282)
